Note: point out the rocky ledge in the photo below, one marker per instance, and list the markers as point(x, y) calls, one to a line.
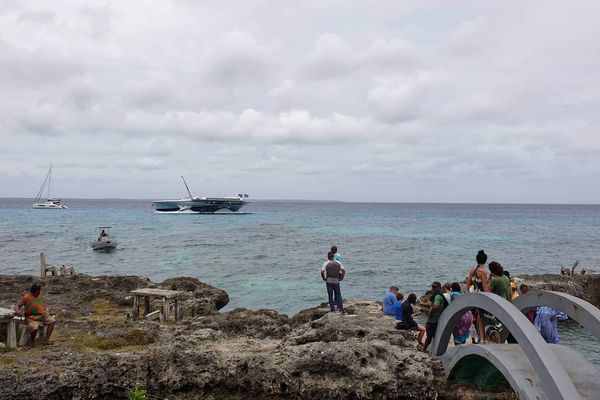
point(586, 287)
point(99, 354)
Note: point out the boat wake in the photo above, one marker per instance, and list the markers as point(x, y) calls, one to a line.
point(188, 212)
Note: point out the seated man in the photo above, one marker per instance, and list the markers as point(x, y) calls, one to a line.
point(390, 301)
point(35, 312)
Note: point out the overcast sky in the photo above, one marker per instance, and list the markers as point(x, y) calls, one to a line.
point(426, 101)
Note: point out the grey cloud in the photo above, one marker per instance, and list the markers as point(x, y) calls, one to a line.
point(38, 17)
point(237, 56)
point(333, 57)
point(98, 19)
point(467, 39)
point(45, 65)
point(279, 95)
point(399, 98)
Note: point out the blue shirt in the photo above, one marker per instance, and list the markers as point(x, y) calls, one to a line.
point(545, 322)
point(389, 301)
point(398, 310)
point(337, 257)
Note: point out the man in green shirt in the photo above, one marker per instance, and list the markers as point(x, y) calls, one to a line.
point(438, 304)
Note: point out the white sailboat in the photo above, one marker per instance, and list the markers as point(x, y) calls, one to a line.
point(50, 203)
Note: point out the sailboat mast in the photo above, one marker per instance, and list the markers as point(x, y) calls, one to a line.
point(41, 191)
point(49, 179)
point(186, 186)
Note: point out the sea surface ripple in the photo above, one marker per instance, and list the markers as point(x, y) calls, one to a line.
point(270, 256)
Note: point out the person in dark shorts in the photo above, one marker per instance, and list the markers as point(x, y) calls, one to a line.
point(438, 304)
point(408, 322)
point(500, 285)
point(332, 272)
point(477, 282)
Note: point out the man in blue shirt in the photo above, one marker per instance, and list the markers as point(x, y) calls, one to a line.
point(390, 303)
point(336, 256)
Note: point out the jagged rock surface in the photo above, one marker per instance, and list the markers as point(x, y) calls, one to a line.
point(586, 287)
point(239, 354)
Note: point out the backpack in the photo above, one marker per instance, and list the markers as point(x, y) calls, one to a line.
point(445, 301)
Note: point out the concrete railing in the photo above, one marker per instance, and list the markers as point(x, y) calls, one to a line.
point(577, 309)
point(552, 375)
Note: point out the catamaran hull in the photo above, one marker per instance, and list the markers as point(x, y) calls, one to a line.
point(46, 206)
point(198, 205)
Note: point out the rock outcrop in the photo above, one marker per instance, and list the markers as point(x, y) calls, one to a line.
point(239, 354)
point(586, 287)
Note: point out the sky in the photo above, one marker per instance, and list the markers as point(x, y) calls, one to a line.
point(395, 101)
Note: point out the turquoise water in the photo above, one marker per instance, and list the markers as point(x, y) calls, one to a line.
point(270, 256)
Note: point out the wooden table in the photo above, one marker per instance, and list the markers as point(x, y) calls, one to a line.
point(167, 296)
point(7, 318)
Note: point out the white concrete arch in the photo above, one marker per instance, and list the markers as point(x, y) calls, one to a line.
point(514, 364)
point(586, 314)
point(547, 366)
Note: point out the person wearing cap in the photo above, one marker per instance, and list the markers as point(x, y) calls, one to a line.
point(35, 313)
point(438, 304)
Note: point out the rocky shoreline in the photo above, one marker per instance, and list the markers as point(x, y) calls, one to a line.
point(100, 354)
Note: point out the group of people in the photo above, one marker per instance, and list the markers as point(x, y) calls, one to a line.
point(478, 324)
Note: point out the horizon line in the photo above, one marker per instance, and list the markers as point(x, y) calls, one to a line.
point(329, 201)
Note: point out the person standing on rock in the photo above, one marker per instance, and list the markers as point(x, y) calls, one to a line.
point(332, 272)
point(336, 256)
point(438, 304)
point(36, 313)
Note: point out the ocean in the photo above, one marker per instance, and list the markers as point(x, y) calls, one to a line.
point(269, 256)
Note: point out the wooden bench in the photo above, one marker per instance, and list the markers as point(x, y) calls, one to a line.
point(7, 322)
point(168, 298)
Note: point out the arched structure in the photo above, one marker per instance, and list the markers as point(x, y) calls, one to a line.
point(552, 375)
point(577, 309)
point(514, 365)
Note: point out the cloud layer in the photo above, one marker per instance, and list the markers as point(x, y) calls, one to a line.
point(367, 101)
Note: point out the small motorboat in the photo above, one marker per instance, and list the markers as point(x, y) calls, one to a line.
point(104, 241)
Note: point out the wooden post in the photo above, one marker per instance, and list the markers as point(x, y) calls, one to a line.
point(146, 305)
point(177, 316)
point(136, 307)
point(42, 265)
point(166, 308)
point(11, 334)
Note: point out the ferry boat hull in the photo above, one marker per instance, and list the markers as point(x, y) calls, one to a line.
point(199, 205)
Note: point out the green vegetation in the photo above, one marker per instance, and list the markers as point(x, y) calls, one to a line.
point(134, 337)
point(137, 394)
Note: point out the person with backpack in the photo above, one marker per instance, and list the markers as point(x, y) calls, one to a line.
point(438, 304)
point(461, 330)
point(332, 272)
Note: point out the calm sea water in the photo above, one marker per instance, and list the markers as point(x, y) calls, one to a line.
point(269, 257)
